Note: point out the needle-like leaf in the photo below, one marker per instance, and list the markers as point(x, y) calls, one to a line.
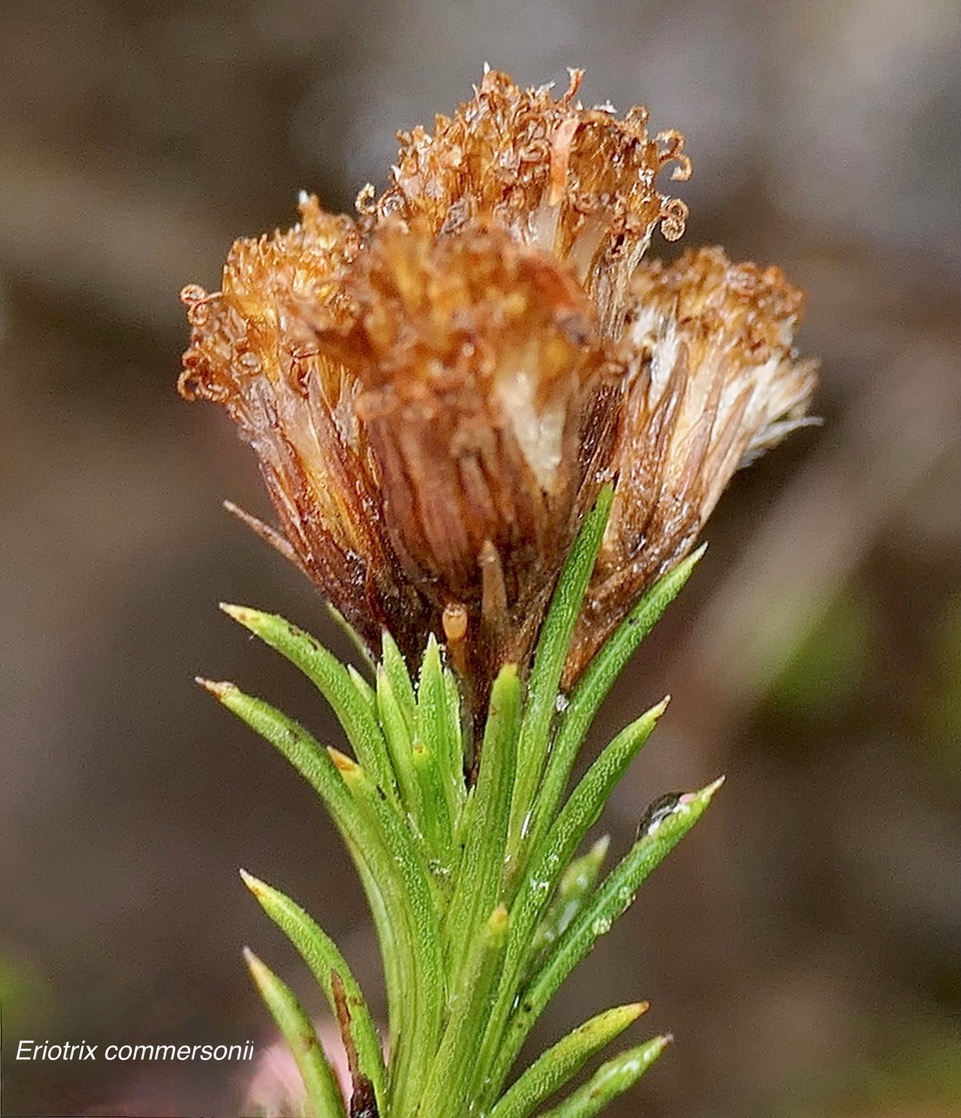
point(592, 689)
point(322, 956)
point(320, 1083)
point(331, 679)
point(613, 896)
point(540, 707)
point(612, 1079)
point(560, 1063)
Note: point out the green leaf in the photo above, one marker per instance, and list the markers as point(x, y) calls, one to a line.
point(613, 897)
point(365, 691)
point(612, 1079)
point(594, 685)
point(421, 961)
point(549, 658)
point(456, 726)
point(393, 940)
point(573, 889)
point(323, 1093)
point(358, 642)
point(309, 758)
point(438, 723)
point(453, 1067)
point(400, 681)
point(552, 855)
point(560, 1063)
point(414, 761)
point(480, 876)
point(322, 956)
point(397, 731)
point(332, 680)
point(380, 843)
point(437, 825)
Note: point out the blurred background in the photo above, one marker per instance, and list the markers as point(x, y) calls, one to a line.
point(803, 943)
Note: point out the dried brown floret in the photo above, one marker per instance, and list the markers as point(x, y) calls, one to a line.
point(485, 400)
point(429, 415)
point(711, 380)
point(577, 183)
point(254, 349)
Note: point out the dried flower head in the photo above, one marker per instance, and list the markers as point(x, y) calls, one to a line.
point(710, 381)
point(575, 183)
point(437, 389)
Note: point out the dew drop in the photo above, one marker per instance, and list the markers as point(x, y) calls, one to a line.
point(601, 926)
point(656, 812)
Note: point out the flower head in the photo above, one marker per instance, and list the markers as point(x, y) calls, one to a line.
point(437, 389)
point(710, 381)
point(575, 183)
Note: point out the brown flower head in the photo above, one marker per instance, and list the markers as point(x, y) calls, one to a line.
point(254, 349)
point(437, 389)
point(709, 381)
point(573, 182)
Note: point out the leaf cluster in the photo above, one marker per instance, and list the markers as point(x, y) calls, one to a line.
point(481, 897)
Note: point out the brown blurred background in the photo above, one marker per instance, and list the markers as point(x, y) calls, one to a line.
point(803, 943)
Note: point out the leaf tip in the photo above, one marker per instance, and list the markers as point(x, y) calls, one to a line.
point(659, 708)
point(244, 614)
point(650, 1051)
point(342, 762)
point(254, 884)
point(499, 918)
point(508, 673)
point(706, 793)
point(220, 690)
point(703, 796)
point(388, 645)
